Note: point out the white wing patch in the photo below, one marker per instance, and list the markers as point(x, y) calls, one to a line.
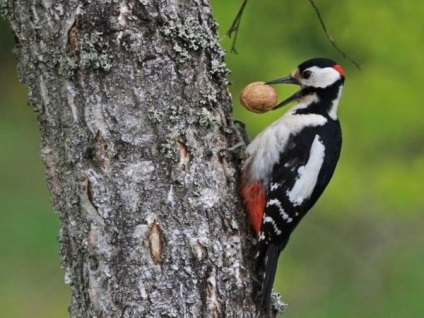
point(308, 174)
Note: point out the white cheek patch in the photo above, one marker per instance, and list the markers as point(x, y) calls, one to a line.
point(321, 77)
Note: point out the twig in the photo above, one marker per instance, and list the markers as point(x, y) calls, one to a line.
point(234, 28)
point(330, 38)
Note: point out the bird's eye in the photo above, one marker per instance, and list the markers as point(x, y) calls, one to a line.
point(306, 74)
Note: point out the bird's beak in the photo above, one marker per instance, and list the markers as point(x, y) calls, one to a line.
point(287, 80)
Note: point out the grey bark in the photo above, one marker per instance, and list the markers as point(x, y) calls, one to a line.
point(133, 109)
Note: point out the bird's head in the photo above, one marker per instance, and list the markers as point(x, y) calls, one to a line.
point(319, 76)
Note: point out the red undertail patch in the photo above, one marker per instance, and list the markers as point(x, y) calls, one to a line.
point(254, 199)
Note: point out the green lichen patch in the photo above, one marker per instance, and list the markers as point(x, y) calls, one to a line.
point(207, 118)
point(155, 115)
point(67, 66)
point(189, 36)
point(90, 56)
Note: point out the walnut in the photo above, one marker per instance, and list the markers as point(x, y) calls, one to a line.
point(258, 97)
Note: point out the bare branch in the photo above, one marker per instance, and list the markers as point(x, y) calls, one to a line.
point(234, 28)
point(330, 38)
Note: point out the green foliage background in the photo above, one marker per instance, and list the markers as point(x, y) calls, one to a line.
point(359, 253)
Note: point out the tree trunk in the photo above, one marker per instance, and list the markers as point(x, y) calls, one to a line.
point(133, 109)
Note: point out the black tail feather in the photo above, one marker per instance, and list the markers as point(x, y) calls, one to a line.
point(271, 259)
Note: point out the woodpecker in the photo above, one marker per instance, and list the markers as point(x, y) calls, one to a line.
point(290, 163)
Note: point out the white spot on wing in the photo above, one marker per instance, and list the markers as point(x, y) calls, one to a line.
point(308, 174)
point(268, 219)
point(283, 214)
point(274, 186)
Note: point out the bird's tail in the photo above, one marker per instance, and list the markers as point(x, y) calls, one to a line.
point(271, 259)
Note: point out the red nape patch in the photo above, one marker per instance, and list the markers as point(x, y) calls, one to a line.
point(253, 196)
point(339, 69)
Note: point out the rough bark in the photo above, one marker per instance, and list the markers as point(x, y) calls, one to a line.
point(133, 111)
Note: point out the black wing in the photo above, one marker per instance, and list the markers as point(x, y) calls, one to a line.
point(281, 216)
point(314, 149)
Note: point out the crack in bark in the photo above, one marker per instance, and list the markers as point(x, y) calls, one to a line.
point(156, 243)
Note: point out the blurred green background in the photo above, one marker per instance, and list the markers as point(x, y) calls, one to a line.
point(359, 253)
